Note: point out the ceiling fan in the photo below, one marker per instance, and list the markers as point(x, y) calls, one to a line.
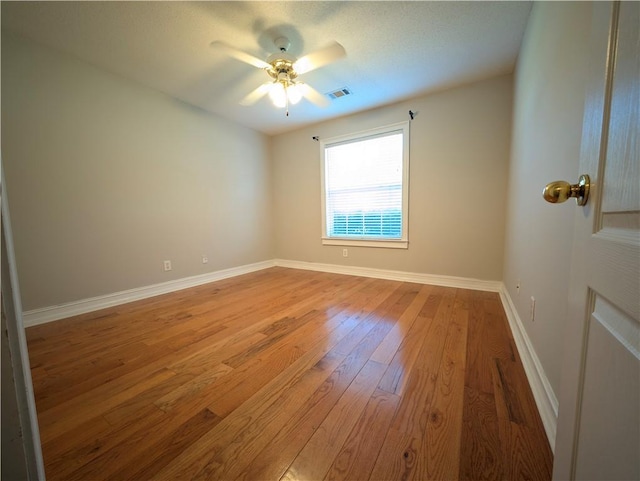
point(284, 88)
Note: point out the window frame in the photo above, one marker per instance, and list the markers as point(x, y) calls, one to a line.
point(364, 241)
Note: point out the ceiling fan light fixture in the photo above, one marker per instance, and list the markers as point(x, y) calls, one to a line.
point(294, 92)
point(284, 68)
point(278, 94)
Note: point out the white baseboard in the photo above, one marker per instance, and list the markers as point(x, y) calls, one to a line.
point(437, 280)
point(53, 313)
point(542, 391)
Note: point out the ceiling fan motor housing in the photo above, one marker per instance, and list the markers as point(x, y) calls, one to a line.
point(281, 69)
point(282, 43)
point(282, 62)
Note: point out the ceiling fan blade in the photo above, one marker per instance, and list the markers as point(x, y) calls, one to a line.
point(319, 58)
point(239, 54)
point(313, 96)
point(256, 95)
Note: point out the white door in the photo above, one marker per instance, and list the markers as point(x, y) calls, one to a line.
point(598, 433)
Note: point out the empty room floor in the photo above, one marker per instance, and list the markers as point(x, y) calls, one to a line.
point(288, 374)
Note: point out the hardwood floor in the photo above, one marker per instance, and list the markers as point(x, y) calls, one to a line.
point(288, 374)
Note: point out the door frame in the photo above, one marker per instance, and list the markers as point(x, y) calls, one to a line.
point(12, 306)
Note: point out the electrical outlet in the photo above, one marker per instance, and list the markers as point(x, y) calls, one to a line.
point(205, 259)
point(345, 252)
point(167, 265)
point(533, 308)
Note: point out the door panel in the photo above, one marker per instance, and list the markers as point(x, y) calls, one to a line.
point(620, 192)
point(608, 447)
point(598, 433)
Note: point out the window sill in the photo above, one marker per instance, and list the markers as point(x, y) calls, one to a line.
point(389, 244)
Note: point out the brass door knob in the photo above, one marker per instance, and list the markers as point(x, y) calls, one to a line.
point(559, 191)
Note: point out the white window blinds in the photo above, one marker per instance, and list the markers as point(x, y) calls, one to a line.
point(364, 186)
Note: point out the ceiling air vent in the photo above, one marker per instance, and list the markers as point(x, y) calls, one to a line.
point(336, 94)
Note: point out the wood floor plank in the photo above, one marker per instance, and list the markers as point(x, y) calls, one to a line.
point(136, 368)
point(270, 357)
point(481, 450)
point(397, 457)
point(400, 453)
point(355, 459)
point(147, 462)
point(377, 318)
point(128, 409)
point(439, 454)
point(400, 367)
point(318, 454)
point(139, 440)
point(234, 439)
point(273, 333)
point(242, 446)
point(388, 347)
point(142, 356)
point(237, 455)
point(191, 388)
point(520, 429)
point(79, 457)
point(54, 423)
point(288, 374)
point(275, 459)
point(266, 414)
point(412, 411)
point(231, 395)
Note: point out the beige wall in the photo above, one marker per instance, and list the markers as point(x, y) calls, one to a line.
point(458, 181)
point(548, 107)
point(107, 178)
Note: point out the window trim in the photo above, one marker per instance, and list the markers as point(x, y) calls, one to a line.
point(403, 242)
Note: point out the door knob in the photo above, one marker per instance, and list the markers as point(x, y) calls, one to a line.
point(559, 191)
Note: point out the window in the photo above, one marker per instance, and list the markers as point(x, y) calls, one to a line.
point(365, 183)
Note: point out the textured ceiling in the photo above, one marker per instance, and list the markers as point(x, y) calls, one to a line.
point(395, 50)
